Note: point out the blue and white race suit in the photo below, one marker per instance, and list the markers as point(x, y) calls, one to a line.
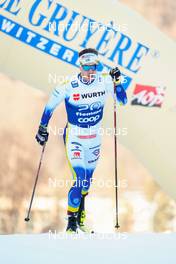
point(84, 104)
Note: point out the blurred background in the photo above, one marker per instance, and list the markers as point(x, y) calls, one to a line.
point(160, 13)
point(143, 205)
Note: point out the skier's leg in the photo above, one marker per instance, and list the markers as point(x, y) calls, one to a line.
point(81, 217)
point(92, 154)
point(74, 195)
point(91, 157)
point(75, 155)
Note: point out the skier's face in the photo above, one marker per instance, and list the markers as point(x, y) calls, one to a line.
point(88, 71)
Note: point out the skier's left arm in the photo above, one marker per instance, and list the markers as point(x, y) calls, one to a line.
point(120, 91)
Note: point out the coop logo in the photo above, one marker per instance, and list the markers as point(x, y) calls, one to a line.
point(76, 97)
point(89, 119)
point(150, 96)
point(71, 29)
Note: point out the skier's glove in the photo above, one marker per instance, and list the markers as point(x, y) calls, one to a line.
point(115, 74)
point(42, 135)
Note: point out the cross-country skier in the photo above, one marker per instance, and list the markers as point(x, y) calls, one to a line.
point(85, 97)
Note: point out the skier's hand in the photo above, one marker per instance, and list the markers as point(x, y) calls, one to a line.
point(115, 74)
point(42, 135)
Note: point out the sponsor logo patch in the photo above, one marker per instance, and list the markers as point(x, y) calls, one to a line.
point(94, 94)
point(151, 96)
point(74, 84)
point(76, 97)
point(76, 154)
point(96, 152)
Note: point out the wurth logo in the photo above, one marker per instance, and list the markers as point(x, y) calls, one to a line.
point(76, 97)
point(94, 94)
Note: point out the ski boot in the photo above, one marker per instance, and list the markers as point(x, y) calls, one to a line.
point(72, 224)
point(81, 217)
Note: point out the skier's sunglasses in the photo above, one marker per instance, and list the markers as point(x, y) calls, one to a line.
point(89, 67)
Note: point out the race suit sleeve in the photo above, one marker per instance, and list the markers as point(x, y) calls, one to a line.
point(57, 96)
point(121, 95)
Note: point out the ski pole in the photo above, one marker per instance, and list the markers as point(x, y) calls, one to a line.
point(115, 155)
point(36, 179)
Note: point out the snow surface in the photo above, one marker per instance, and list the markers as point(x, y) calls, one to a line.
point(116, 248)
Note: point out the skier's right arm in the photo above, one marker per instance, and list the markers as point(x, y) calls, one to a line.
point(58, 95)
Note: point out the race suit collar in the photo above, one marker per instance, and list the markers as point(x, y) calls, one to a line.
point(84, 81)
